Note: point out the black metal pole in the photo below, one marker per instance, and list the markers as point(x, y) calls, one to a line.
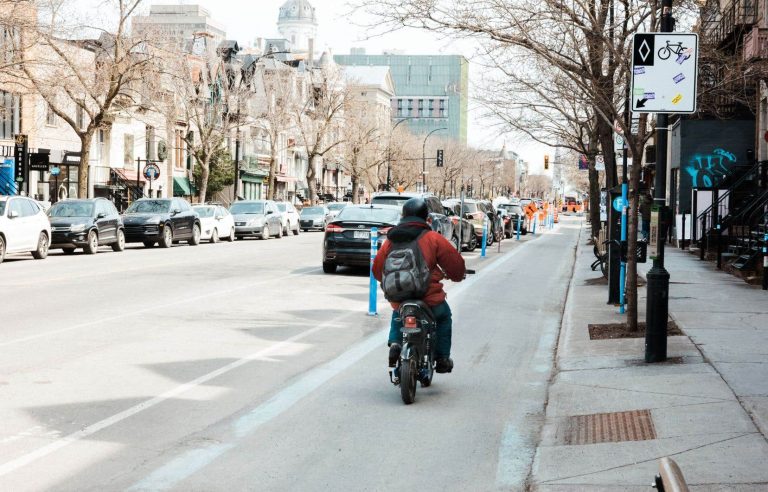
point(657, 306)
point(138, 173)
point(237, 164)
point(389, 169)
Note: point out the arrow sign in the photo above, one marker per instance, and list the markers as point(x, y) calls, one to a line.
point(641, 103)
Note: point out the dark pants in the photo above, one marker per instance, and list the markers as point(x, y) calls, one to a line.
point(442, 313)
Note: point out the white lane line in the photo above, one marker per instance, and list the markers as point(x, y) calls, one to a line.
point(35, 455)
point(154, 308)
point(192, 461)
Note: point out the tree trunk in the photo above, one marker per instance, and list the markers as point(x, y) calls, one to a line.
point(272, 179)
point(594, 199)
point(83, 190)
point(605, 136)
point(311, 179)
point(355, 188)
point(205, 166)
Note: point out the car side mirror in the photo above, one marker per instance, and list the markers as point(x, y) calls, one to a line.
point(176, 211)
point(270, 212)
point(101, 215)
point(13, 214)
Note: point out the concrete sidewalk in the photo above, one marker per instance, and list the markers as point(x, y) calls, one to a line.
point(610, 416)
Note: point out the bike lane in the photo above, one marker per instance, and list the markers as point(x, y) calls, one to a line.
point(342, 425)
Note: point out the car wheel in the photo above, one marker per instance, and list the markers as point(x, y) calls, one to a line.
point(329, 267)
point(149, 244)
point(285, 230)
point(305, 230)
point(68, 251)
point(167, 240)
point(456, 243)
point(472, 243)
point(92, 246)
point(279, 232)
point(195, 240)
point(231, 235)
point(2, 249)
point(489, 238)
point(215, 236)
point(42, 247)
point(119, 245)
point(265, 232)
point(296, 230)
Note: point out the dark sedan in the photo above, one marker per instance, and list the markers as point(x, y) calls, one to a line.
point(86, 224)
point(163, 221)
point(515, 214)
point(348, 237)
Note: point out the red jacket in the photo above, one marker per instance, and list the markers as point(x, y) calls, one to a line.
point(437, 251)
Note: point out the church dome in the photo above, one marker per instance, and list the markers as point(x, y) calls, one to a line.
point(297, 11)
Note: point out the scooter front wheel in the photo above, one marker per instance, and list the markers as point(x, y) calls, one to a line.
point(408, 376)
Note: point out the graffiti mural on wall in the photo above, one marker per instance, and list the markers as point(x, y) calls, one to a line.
point(707, 170)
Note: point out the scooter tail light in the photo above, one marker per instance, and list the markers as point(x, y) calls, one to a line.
point(410, 322)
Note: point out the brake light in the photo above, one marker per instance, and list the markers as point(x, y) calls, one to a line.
point(384, 230)
point(334, 228)
point(410, 322)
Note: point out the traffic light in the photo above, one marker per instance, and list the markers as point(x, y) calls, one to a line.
point(546, 161)
point(440, 158)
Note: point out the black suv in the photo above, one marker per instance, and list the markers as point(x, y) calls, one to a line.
point(86, 224)
point(163, 221)
point(440, 222)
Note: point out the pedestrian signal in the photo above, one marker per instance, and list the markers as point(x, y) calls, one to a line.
point(440, 158)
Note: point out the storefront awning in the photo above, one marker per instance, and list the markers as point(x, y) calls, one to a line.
point(182, 186)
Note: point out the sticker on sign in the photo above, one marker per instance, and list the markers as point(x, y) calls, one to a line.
point(664, 72)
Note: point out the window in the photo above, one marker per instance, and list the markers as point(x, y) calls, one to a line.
point(128, 150)
point(178, 150)
point(421, 107)
point(9, 115)
point(443, 112)
point(9, 39)
point(431, 113)
point(151, 150)
point(50, 116)
point(28, 208)
point(15, 206)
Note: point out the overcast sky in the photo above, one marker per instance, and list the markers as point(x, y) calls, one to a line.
point(247, 20)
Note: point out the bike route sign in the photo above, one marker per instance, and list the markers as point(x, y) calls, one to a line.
point(664, 72)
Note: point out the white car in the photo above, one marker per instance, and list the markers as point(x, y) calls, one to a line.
point(215, 223)
point(335, 207)
point(290, 218)
point(24, 227)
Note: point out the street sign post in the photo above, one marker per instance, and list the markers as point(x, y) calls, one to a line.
point(21, 158)
point(151, 172)
point(599, 162)
point(664, 72)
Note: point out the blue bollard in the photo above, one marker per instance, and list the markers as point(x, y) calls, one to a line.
point(623, 270)
point(485, 237)
point(374, 288)
point(519, 221)
point(535, 219)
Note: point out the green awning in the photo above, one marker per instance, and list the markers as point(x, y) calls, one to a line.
point(182, 186)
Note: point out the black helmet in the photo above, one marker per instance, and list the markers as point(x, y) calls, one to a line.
point(416, 207)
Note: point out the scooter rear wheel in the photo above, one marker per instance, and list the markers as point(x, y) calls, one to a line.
point(408, 375)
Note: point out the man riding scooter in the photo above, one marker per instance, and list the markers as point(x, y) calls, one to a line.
point(439, 259)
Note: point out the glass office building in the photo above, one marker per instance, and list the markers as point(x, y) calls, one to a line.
point(433, 90)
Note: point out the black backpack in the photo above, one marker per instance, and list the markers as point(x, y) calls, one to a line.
point(406, 274)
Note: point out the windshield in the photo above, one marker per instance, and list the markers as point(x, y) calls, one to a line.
point(149, 207)
point(312, 211)
point(204, 212)
point(336, 206)
point(281, 207)
point(72, 209)
point(470, 208)
point(247, 208)
point(390, 200)
point(367, 214)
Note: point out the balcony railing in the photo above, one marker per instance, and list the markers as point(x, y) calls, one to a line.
point(756, 44)
point(737, 15)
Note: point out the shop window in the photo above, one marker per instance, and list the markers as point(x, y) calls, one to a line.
point(9, 115)
point(50, 116)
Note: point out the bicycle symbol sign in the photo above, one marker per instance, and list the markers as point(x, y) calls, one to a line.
point(664, 72)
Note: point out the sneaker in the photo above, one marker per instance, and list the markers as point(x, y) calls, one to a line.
point(444, 365)
point(394, 354)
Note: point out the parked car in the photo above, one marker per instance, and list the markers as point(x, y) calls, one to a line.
point(87, 224)
point(314, 218)
point(468, 238)
point(438, 220)
point(347, 238)
point(335, 207)
point(215, 223)
point(516, 214)
point(290, 218)
point(161, 220)
point(496, 225)
point(257, 218)
point(24, 227)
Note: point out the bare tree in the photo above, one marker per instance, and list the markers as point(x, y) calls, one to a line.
point(96, 77)
point(362, 149)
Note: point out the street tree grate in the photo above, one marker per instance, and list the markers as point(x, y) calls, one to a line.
point(635, 425)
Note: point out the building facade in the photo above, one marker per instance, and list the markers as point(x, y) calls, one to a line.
point(178, 24)
point(432, 91)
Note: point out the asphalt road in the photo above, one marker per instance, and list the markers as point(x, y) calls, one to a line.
point(243, 367)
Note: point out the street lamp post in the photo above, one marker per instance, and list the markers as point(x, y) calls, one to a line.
point(389, 153)
point(424, 160)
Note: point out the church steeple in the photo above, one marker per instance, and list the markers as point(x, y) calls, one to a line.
point(297, 23)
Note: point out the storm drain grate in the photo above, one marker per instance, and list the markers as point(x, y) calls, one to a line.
point(635, 425)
